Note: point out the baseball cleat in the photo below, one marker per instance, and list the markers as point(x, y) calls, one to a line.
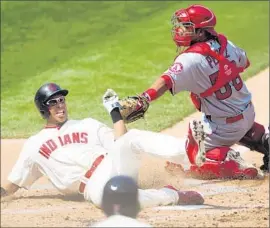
point(199, 135)
point(188, 197)
point(246, 170)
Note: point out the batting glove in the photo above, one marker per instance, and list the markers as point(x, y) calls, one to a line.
point(111, 100)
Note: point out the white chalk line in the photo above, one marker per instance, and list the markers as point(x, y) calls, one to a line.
point(181, 208)
point(197, 207)
point(35, 210)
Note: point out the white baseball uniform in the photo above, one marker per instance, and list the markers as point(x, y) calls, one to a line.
point(196, 73)
point(65, 154)
point(120, 221)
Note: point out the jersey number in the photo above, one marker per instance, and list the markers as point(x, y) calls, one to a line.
point(227, 91)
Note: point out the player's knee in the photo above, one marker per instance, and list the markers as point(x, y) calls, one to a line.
point(133, 132)
point(257, 138)
point(218, 153)
point(96, 200)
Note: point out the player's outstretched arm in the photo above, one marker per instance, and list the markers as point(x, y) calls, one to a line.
point(9, 189)
point(111, 103)
point(158, 88)
point(135, 107)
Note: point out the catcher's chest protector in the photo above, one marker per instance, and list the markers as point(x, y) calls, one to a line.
point(227, 70)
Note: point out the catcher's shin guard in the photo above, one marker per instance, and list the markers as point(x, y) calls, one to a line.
point(224, 162)
point(195, 148)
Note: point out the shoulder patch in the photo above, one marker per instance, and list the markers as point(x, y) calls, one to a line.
point(176, 68)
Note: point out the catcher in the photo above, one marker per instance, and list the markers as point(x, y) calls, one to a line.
point(209, 66)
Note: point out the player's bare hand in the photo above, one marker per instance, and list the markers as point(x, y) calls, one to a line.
point(110, 100)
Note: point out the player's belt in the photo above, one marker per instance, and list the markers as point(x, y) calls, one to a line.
point(90, 172)
point(228, 120)
point(234, 118)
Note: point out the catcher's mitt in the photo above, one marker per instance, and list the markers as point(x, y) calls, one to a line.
point(133, 108)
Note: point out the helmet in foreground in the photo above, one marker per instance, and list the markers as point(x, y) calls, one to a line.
point(120, 196)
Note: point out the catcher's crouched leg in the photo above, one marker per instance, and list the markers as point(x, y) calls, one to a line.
point(224, 162)
point(257, 139)
point(221, 162)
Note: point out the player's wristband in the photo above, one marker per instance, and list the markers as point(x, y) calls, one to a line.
point(150, 94)
point(116, 115)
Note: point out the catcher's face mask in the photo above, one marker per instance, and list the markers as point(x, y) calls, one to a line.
point(186, 21)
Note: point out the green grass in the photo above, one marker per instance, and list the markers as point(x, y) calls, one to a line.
point(88, 47)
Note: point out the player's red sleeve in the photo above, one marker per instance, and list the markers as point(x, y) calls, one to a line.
point(152, 94)
point(168, 81)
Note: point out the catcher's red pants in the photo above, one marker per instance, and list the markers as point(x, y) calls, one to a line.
point(215, 165)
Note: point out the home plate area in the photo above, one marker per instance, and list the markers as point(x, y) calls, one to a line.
point(206, 188)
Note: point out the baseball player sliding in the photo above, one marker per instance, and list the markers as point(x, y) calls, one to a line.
point(209, 66)
point(82, 155)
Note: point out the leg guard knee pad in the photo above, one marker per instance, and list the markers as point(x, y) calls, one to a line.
point(256, 139)
point(191, 147)
point(214, 170)
point(224, 163)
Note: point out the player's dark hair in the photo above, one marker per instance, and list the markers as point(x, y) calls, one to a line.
point(207, 36)
point(210, 36)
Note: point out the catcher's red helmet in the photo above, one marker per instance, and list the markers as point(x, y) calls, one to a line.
point(185, 21)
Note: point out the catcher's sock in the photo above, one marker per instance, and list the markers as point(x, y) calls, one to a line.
point(265, 166)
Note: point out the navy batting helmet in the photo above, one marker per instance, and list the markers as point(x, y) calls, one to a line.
point(44, 93)
point(120, 196)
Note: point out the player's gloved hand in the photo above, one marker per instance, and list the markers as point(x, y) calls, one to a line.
point(111, 100)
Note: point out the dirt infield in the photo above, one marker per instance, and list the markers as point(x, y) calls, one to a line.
point(238, 203)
